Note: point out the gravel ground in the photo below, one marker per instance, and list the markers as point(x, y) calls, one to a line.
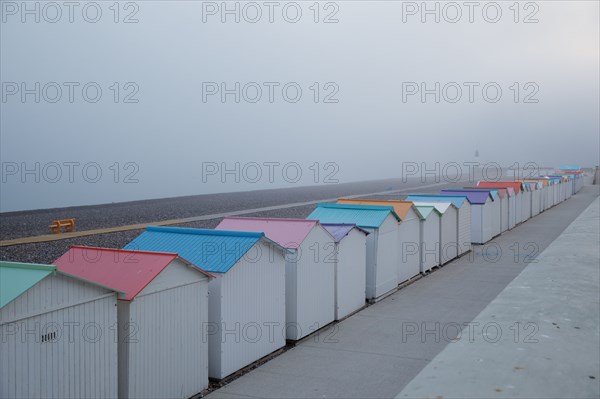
point(48, 252)
point(33, 223)
point(21, 224)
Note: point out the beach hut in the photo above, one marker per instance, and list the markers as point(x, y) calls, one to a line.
point(575, 174)
point(382, 224)
point(448, 238)
point(246, 297)
point(553, 191)
point(565, 185)
point(575, 179)
point(463, 216)
point(481, 212)
point(496, 208)
point(512, 207)
point(520, 195)
point(539, 185)
point(535, 187)
point(161, 307)
point(570, 182)
point(56, 334)
point(562, 186)
point(567, 180)
point(409, 235)
point(523, 200)
point(350, 267)
point(570, 171)
point(527, 210)
point(505, 197)
point(553, 188)
point(544, 193)
point(550, 189)
point(537, 197)
point(526, 203)
point(430, 237)
point(309, 269)
point(509, 205)
point(504, 209)
point(557, 188)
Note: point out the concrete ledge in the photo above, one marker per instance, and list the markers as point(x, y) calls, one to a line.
point(540, 337)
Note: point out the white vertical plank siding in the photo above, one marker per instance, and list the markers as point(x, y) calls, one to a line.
point(123, 347)
point(505, 213)
point(529, 211)
point(386, 275)
point(167, 355)
point(371, 263)
point(481, 223)
point(464, 227)
point(477, 226)
point(512, 211)
point(561, 195)
point(430, 244)
point(518, 207)
point(291, 294)
point(81, 362)
point(488, 215)
point(526, 205)
point(552, 195)
point(536, 202)
point(252, 309)
point(214, 322)
point(573, 185)
point(315, 283)
point(409, 258)
point(448, 235)
point(496, 217)
point(350, 274)
point(544, 198)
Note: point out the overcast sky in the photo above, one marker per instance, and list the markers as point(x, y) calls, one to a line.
point(517, 83)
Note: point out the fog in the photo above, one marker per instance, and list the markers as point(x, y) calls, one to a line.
point(344, 91)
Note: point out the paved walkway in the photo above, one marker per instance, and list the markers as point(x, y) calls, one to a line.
point(556, 352)
point(378, 351)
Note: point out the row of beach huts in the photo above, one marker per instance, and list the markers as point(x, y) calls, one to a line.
point(178, 306)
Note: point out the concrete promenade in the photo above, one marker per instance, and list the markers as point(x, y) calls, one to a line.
point(556, 352)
